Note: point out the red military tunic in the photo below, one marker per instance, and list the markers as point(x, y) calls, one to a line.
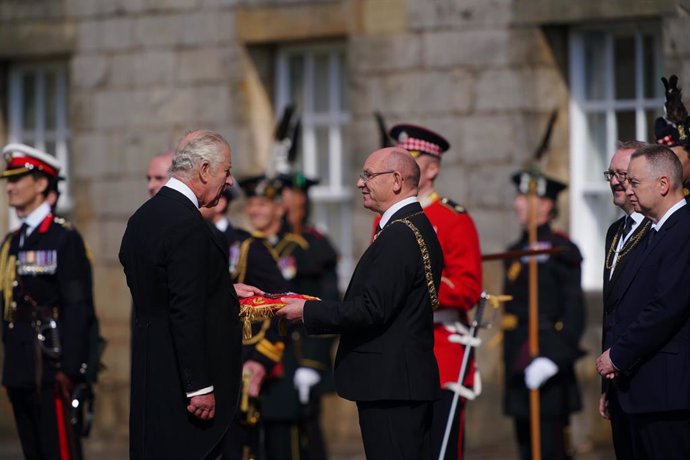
point(461, 281)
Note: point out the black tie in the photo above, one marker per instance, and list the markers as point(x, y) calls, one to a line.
point(650, 237)
point(22, 234)
point(627, 226)
point(376, 234)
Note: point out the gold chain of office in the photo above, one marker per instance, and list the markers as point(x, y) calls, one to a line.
point(627, 247)
point(426, 259)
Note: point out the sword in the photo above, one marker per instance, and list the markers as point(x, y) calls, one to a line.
point(494, 300)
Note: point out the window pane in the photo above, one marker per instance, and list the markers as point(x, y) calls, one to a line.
point(51, 100)
point(322, 154)
point(596, 146)
point(321, 83)
point(652, 84)
point(624, 55)
point(50, 147)
point(29, 102)
point(651, 116)
point(343, 83)
point(296, 81)
point(595, 65)
point(625, 124)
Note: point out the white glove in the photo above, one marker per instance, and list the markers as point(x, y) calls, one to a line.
point(539, 371)
point(304, 379)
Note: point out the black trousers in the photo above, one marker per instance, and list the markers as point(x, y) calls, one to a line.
point(37, 424)
point(621, 431)
point(396, 429)
point(555, 442)
point(661, 435)
point(456, 440)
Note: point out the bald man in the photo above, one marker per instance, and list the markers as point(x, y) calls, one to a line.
point(385, 360)
point(157, 174)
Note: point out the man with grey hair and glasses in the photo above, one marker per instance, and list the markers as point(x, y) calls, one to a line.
point(623, 244)
point(186, 335)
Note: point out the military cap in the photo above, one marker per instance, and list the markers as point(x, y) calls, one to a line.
point(418, 140)
point(22, 159)
point(267, 187)
point(298, 180)
point(546, 187)
point(674, 128)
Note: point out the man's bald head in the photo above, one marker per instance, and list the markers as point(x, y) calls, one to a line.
point(400, 160)
point(157, 174)
point(389, 175)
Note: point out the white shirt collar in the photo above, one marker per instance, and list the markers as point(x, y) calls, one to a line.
point(222, 224)
point(637, 218)
point(184, 189)
point(395, 208)
point(34, 219)
point(669, 213)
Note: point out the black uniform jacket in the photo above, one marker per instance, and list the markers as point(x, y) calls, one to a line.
point(386, 320)
point(186, 330)
point(561, 322)
point(650, 330)
point(56, 275)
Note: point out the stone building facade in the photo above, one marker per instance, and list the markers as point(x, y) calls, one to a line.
point(107, 84)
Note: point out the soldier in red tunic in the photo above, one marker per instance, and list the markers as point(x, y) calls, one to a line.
point(461, 282)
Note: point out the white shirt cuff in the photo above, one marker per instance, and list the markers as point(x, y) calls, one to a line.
point(203, 391)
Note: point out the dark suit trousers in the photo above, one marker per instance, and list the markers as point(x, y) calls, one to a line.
point(396, 429)
point(455, 447)
point(661, 435)
point(620, 428)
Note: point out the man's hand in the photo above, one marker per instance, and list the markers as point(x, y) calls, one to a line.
point(202, 406)
point(605, 366)
point(256, 372)
point(293, 310)
point(65, 385)
point(604, 406)
point(245, 290)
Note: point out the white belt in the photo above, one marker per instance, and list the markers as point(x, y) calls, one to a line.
point(446, 316)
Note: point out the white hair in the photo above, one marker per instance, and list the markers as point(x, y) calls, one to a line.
point(195, 147)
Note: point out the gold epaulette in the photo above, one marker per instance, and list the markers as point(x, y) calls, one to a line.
point(450, 204)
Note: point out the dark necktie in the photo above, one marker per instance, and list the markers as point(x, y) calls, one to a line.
point(650, 236)
point(22, 234)
point(627, 226)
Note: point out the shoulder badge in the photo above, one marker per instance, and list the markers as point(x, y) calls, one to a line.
point(63, 222)
point(450, 204)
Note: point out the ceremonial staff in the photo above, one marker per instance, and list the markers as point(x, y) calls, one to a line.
point(533, 292)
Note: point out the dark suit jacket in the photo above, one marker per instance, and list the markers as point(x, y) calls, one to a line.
point(186, 330)
point(650, 331)
point(386, 322)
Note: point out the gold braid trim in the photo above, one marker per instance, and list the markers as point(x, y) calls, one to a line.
point(8, 275)
point(627, 247)
point(425, 258)
point(241, 272)
point(290, 238)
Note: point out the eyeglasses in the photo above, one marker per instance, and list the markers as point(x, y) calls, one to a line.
point(366, 176)
point(610, 173)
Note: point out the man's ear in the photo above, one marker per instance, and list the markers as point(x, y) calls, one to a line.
point(432, 170)
point(398, 182)
point(42, 184)
point(664, 185)
point(204, 171)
